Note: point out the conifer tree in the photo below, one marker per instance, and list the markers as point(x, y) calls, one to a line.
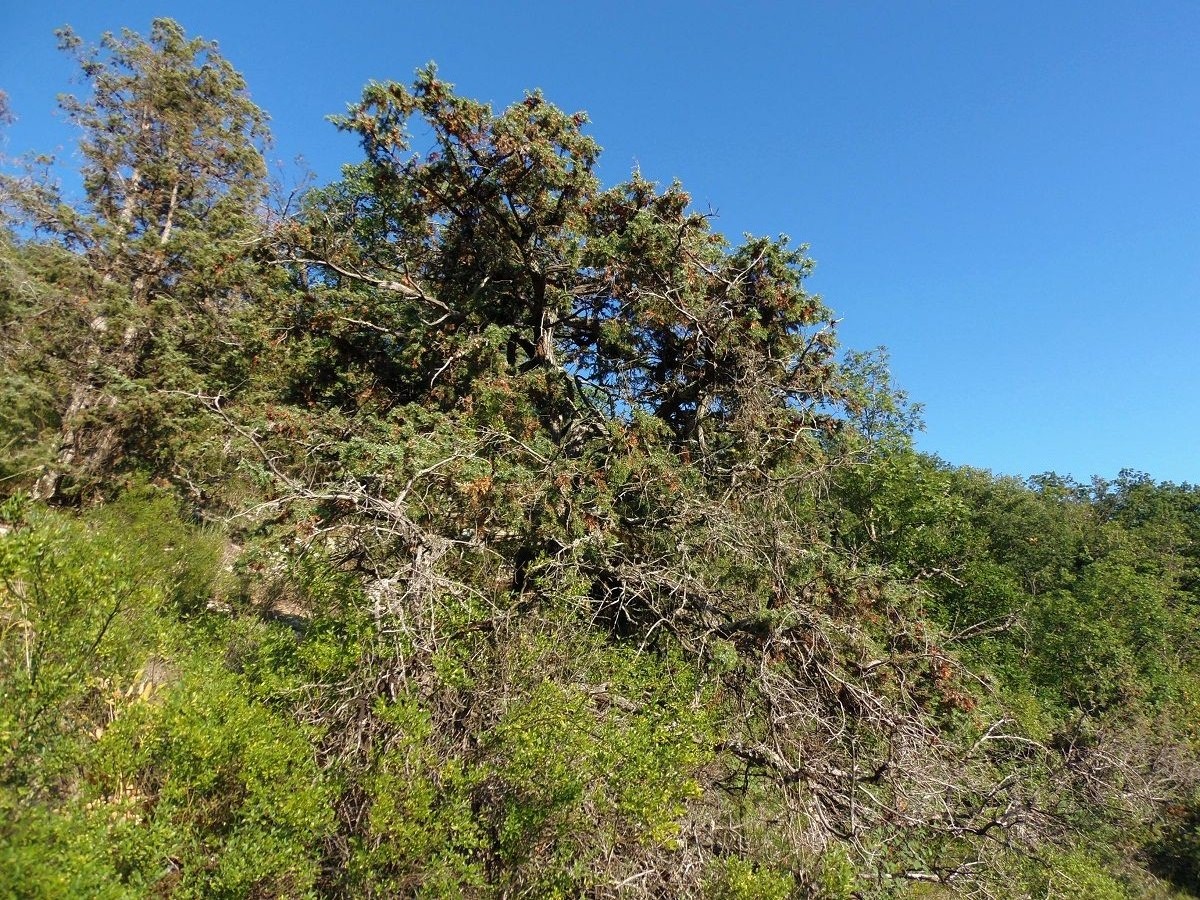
point(172, 155)
point(173, 176)
point(496, 255)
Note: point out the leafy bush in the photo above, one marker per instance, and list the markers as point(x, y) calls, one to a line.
point(738, 879)
point(125, 744)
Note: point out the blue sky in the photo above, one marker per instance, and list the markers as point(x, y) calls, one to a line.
point(1007, 195)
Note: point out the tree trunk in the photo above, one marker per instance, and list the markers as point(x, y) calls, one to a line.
point(91, 436)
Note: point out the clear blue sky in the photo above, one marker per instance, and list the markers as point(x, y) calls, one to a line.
point(1006, 194)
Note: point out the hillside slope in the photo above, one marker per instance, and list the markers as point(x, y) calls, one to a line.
point(467, 528)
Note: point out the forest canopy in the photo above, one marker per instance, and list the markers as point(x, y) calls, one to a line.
point(467, 527)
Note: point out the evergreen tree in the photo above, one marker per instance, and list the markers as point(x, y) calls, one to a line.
point(171, 144)
point(496, 256)
point(174, 177)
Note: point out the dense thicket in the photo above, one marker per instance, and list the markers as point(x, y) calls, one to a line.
point(467, 528)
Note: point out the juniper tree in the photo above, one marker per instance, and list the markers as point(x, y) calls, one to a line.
point(495, 254)
point(173, 178)
point(171, 144)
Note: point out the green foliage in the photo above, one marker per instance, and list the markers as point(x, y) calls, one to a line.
point(1077, 874)
point(554, 762)
point(174, 179)
point(74, 611)
point(124, 741)
point(218, 784)
point(736, 878)
point(64, 852)
point(423, 837)
point(837, 875)
point(41, 327)
point(182, 559)
point(168, 147)
point(493, 273)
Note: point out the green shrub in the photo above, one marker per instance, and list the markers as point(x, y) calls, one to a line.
point(423, 838)
point(128, 753)
point(222, 786)
point(735, 878)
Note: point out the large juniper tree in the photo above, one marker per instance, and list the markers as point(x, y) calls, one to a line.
point(173, 178)
point(496, 254)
